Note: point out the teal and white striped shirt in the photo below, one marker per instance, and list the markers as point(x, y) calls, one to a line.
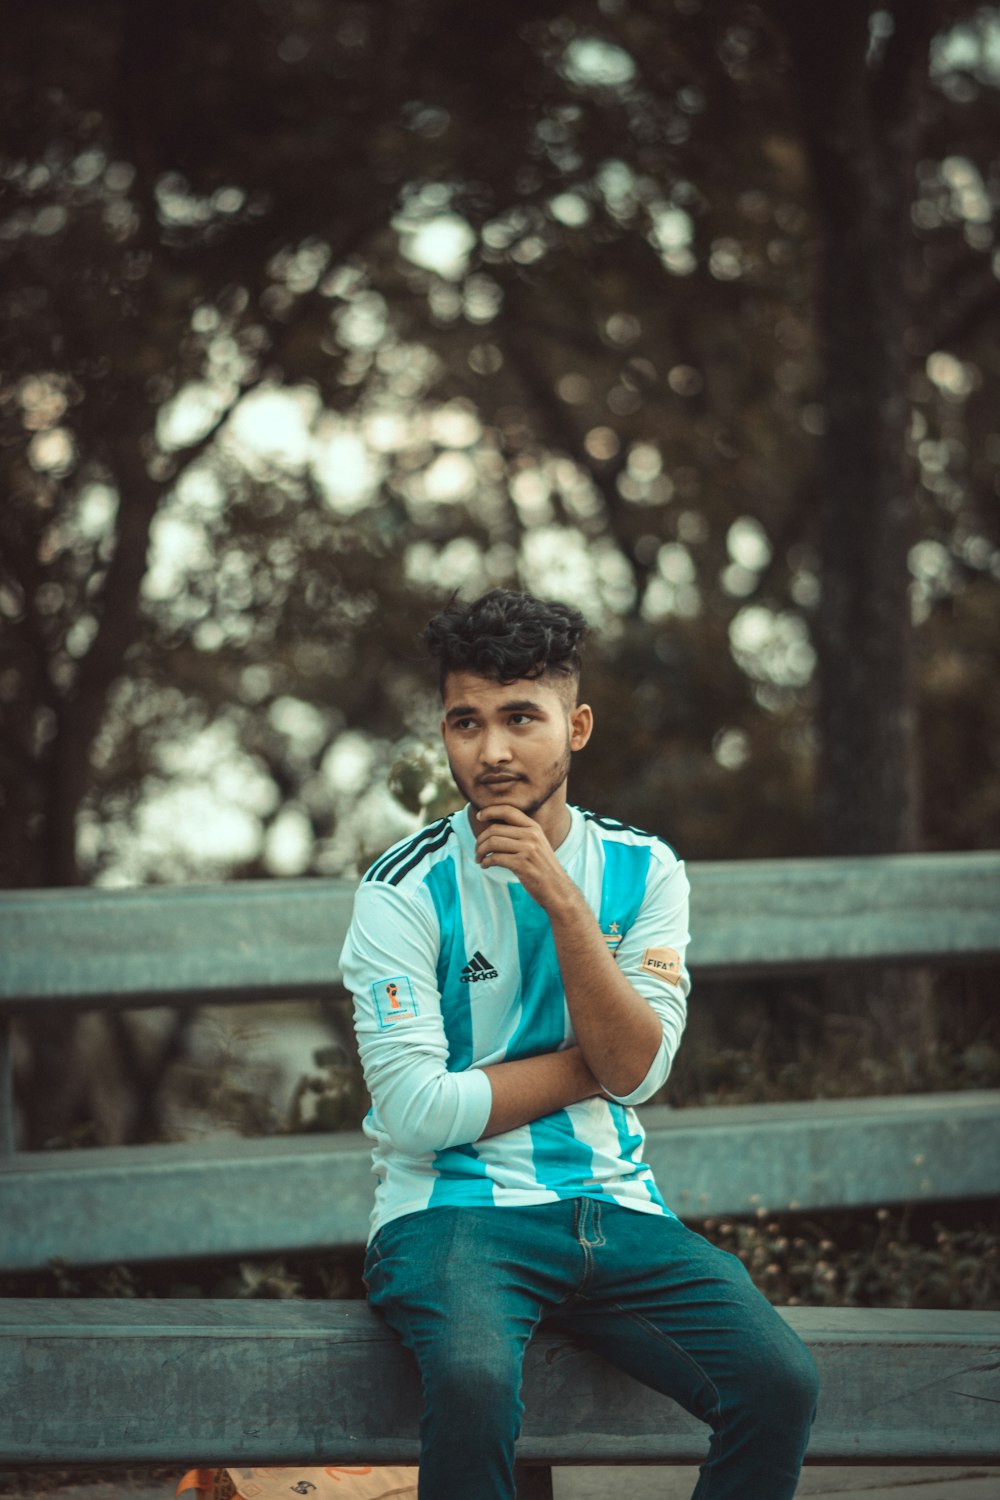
point(453, 968)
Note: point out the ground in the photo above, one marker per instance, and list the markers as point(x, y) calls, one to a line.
point(580, 1484)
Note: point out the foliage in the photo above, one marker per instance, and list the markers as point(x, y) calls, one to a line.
point(882, 1264)
point(535, 296)
point(312, 313)
point(886, 1258)
point(762, 1042)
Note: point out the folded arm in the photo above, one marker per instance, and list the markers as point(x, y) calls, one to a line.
point(530, 1087)
point(423, 1104)
point(628, 1011)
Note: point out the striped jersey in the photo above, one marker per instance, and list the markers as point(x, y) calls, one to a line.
point(453, 968)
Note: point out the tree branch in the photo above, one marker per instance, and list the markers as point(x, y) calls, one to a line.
point(519, 336)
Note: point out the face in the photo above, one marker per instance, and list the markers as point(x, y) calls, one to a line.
point(512, 741)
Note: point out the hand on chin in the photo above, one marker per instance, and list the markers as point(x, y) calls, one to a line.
point(491, 793)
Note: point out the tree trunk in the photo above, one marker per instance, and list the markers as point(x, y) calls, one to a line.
point(861, 130)
point(861, 133)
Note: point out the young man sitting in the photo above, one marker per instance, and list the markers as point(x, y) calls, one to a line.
point(519, 981)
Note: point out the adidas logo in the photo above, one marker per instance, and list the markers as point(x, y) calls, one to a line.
point(478, 967)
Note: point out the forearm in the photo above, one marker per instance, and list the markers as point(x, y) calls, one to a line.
point(530, 1087)
point(618, 1032)
point(623, 1038)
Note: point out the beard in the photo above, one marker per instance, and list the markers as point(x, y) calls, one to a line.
point(473, 791)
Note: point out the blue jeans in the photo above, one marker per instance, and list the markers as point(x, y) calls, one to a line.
point(465, 1289)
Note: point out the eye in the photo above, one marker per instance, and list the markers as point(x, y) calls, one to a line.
point(521, 719)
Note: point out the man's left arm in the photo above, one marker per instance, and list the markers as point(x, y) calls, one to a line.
point(628, 1010)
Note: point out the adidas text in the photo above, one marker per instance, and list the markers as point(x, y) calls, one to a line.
point(477, 968)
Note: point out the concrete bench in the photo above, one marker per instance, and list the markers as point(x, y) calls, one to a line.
point(226, 1197)
point(324, 1383)
point(239, 1382)
point(81, 949)
point(252, 940)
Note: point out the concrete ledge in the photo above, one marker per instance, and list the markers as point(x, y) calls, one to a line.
point(247, 940)
point(288, 1193)
point(325, 1382)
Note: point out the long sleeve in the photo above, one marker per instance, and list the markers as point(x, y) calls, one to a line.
point(389, 963)
point(651, 956)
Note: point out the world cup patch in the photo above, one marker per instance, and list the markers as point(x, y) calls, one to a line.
point(394, 1000)
point(665, 963)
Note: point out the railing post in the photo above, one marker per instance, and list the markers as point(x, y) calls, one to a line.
point(7, 1121)
point(533, 1482)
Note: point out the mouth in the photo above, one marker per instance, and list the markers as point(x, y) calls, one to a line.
point(497, 780)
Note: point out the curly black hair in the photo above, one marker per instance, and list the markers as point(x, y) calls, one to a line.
point(505, 636)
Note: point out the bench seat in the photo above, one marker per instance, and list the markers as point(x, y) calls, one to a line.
point(257, 1383)
point(238, 1382)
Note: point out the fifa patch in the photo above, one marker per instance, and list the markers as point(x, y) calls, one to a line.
point(665, 963)
point(394, 1000)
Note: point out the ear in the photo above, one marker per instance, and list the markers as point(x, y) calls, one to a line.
point(581, 724)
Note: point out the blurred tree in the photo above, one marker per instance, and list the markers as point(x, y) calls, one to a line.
point(595, 287)
point(312, 312)
point(866, 99)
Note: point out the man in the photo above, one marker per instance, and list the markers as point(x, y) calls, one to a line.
point(519, 979)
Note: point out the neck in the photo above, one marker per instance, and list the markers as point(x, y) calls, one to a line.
point(554, 820)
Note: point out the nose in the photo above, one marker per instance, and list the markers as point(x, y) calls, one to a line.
point(494, 747)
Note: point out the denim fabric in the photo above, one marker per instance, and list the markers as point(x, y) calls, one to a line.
point(465, 1289)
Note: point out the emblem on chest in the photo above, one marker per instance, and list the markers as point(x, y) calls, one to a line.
point(477, 968)
point(613, 935)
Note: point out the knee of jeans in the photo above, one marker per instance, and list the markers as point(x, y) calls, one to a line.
point(802, 1380)
point(786, 1386)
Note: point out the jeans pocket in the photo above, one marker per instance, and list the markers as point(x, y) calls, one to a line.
point(373, 1260)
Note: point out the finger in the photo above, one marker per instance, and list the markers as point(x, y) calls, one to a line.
point(498, 861)
point(509, 843)
point(497, 842)
point(504, 812)
point(504, 846)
